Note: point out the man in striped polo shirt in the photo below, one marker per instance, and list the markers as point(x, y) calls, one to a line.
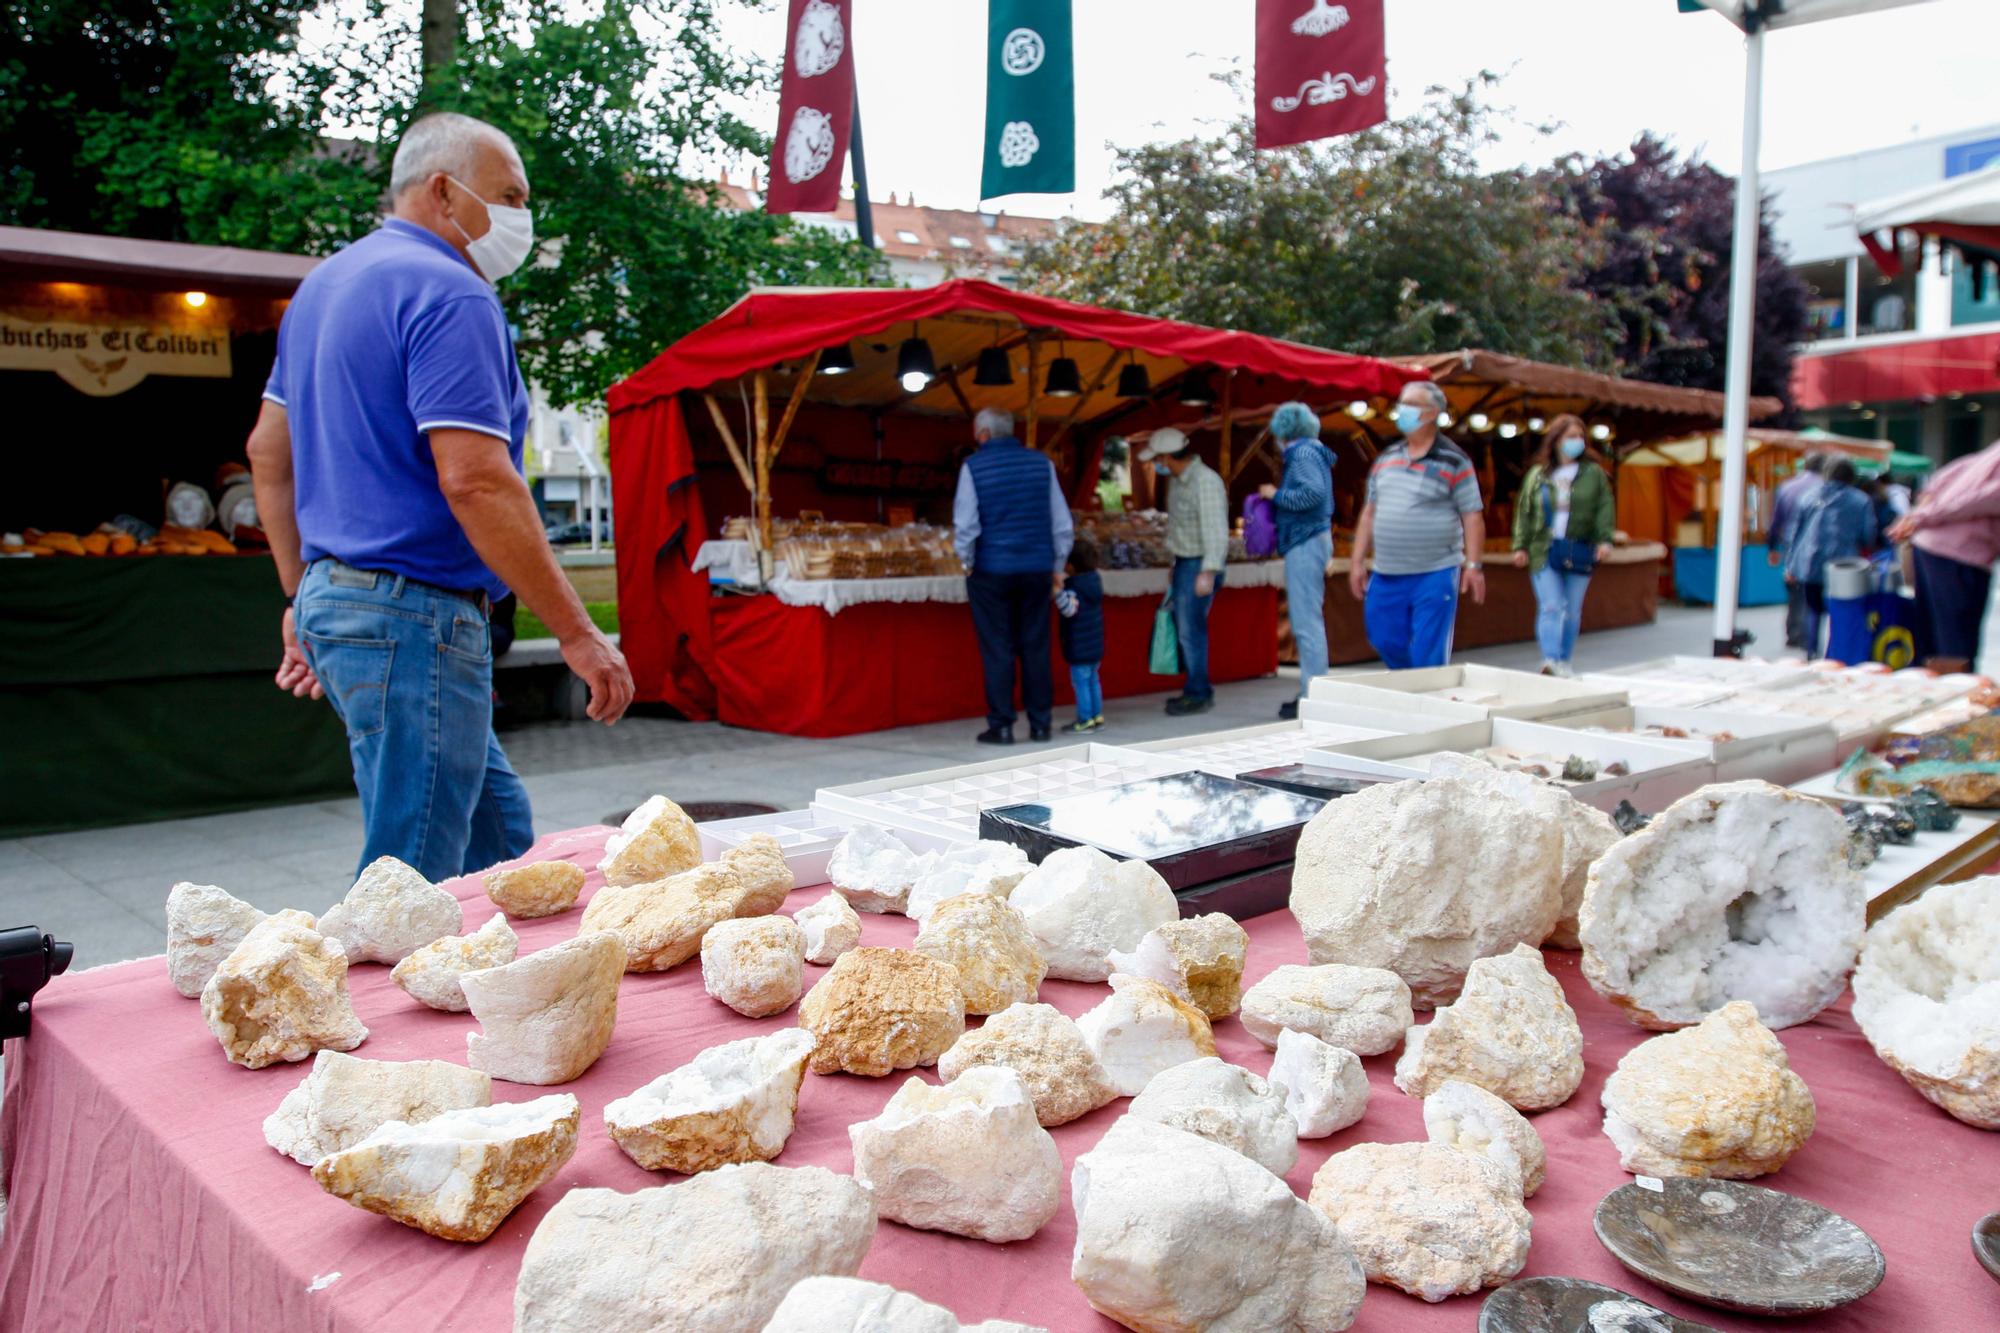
point(1425, 524)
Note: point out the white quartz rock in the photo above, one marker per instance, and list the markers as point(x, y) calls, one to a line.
point(1224, 1104)
point(968, 1157)
point(390, 913)
point(344, 1099)
point(831, 927)
point(849, 1305)
point(875, 870)
point(432, 973)
point(1174, 1232)
point(1082, 905)
point(1141, 1029)
point(1927, 996)
point(1199, 959)
point(1325, 1088)
point(973, 867)
point(1739, 891)
point(998, 960)
point(1588, 833)
point(714, 1253)
point(1362, 1009)
point(547, 1017)
point(1510, 1032)
point(1424, 877)
point(281, 995)
point(754, 964)
point(1471, 1119)
point(655, 841)
point(1042, 1045)
point(732, 1103)
point(1431, 1220)
point(204, 925)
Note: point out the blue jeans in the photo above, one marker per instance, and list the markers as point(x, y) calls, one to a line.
point(1409, 617)
point(1191, 623)
point(409, 669)
point(1089, 690)
point(1558, 611)
point(1305, 595)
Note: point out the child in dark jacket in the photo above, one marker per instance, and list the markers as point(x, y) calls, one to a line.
point(1081, 603)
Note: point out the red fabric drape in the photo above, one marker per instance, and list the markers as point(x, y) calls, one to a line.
point(815, 109)
point(1320, 72)
point(662, 603)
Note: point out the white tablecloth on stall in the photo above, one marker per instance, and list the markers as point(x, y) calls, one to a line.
point(835, 595)
point(731, 561)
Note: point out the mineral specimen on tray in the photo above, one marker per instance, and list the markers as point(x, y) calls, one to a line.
point(1424, 877)
point(974, 867)
point(1198, 958)
point(1510, 1032)
point(547, 1017)
point(1082, 905)
point(1927, 996)
point(878, 1010)
point(431, 974)
point(540, 888)
point(1471, 1119)
point(998, 961)
point(755, 965)
point(849, 1305)
point(759, 862)
point(655, 841)
point(204, 925)
point(717, 1252)
point(1325, 1088)
point(456, 1175)
point(344, 1099)
point(281, 995)
point(732, 1103)
point(1578, 769)
point(662, 922)
point(1042, 1045)
point(1174, 1232)
point(831, 928)
point(1431, 1220)
point(1141, 1029)
point(1363, 1009)
point(968, 1157)
point(874, 870)
point(1587, 834)
point(1629, 819)
point(1718, 1099)
point(390, 913)
point(1928, 811)
point(1224, 1104)
point(1740, 891)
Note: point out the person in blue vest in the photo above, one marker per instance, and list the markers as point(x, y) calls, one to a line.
point(1304, 504)
point(1013, 532)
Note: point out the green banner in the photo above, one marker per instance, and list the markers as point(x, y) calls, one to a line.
point(1030, 99)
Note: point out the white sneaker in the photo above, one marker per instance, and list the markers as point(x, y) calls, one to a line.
point(1566, 671)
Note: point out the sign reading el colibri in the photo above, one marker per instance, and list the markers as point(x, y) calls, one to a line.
point(109, 357)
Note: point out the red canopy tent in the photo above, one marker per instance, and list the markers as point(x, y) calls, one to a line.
point(758, 362)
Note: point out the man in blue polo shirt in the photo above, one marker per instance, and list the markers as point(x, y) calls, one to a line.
point(387, 460)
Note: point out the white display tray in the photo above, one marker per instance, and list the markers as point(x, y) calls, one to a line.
point(1228, 753)
point(808, 838)
point(1901, 874)
point(1653, 692)
point(1862, 706)
point(1723, 673)
point(1496, 692)
point(1775, 747)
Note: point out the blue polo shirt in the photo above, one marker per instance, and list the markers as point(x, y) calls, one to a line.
point(389, 339)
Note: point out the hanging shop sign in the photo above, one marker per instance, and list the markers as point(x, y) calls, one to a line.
point(1030, 99)
point(109, 357)
point(1322, 69)
point(815, 108)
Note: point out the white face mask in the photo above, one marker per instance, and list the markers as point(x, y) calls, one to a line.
point(508, 238)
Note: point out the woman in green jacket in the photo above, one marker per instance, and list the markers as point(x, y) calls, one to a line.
point(1563, 521)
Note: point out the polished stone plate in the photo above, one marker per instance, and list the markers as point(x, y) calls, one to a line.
point(1986, 1243)
point(1738, 1246)
point(1571, 1305)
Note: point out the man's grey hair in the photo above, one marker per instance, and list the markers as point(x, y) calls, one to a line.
point(994, 421)
point(1430, 390)
point(443, 141)
point(1817, 463)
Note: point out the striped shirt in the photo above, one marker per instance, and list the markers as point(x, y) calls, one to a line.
point(1420, 505)
point(1198, 517)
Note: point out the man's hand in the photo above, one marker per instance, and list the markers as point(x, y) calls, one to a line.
point(1603, 552)
point(1520, 559)
point(1904, 528)
point(1473, 580)
point(1357, 579)
point(295, 673)
point(598, 663)
point(1268, 491)
point(1204, 583)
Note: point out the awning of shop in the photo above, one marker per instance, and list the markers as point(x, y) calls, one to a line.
point(1707, 448)
point(1793, 13)
point(1961, 213)
point(1897, 464)
point(1917, 368)
point(40, 255)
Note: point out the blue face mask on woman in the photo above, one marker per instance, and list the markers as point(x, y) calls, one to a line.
point(1572, 448)
point(1408, 417)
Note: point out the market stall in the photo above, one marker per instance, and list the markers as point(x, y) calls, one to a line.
point(855, 407)
point(141, 608)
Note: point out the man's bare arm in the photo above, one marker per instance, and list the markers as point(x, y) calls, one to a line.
point(270, 451)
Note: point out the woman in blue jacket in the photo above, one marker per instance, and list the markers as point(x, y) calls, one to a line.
point(1304, 502)
point(1836, 523)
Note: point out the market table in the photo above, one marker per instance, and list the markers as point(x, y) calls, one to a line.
point(141, 1193)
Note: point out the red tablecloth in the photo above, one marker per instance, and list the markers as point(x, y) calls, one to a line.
point(142, 1195)
point(800, 671)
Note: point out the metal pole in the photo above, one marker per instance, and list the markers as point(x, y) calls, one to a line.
point(1742, 331)
point(864, 211)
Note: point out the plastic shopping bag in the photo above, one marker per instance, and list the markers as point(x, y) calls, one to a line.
point(1166, 654)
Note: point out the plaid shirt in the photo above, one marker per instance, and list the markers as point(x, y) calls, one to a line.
point(1198, 517)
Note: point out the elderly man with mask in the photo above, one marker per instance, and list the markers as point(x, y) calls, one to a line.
point(387, 464)
point(1425, 524)
point(1198, 540)
point(1304, 504)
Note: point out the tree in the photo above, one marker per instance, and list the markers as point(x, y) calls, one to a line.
point(1662, 232)
point(1391, 241)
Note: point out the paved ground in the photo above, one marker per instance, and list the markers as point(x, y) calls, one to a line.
point(105, 889)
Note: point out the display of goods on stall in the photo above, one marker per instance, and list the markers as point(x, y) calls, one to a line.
point(117, 539)
point(865, 551)
point(1138, 539)
point(1961, 764)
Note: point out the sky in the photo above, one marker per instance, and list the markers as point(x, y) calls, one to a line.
point(1602, 70)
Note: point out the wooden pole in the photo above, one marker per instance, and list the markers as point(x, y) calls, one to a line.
point(1250, 454)
point(729, 443)
point(1034, 390)
point(1228, 417)
point(763, 446)
point(792, 407)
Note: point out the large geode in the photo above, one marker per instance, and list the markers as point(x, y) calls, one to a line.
point(1739, 891)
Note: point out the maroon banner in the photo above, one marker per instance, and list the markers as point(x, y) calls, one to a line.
point(1321, 69)
point(815, 108)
